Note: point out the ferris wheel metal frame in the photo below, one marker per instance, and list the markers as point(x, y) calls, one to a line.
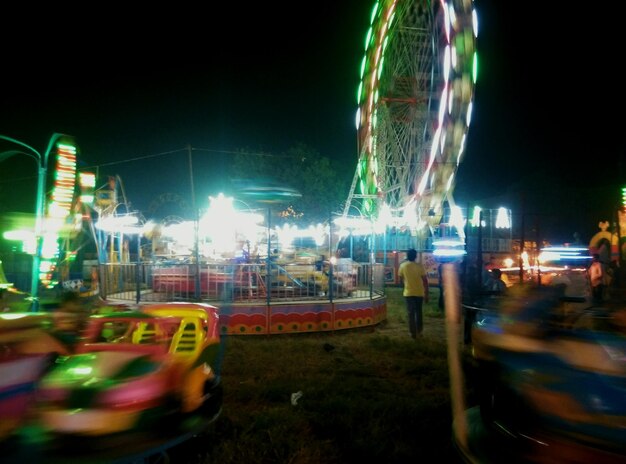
point(414, 108)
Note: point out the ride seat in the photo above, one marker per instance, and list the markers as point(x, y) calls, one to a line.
point(145, 333)
point(186, 338)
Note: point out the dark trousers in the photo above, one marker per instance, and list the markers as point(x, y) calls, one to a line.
point(598, 294)
point(414, 312)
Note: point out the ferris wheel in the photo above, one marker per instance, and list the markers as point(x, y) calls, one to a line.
point(414, 107)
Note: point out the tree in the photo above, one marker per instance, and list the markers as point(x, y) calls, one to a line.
point(301, 167)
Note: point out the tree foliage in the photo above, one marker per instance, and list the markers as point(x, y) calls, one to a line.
point(318, 179)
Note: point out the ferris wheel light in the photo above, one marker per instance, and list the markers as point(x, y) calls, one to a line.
point(449, 183)
point(446, 64)
point(475, 67)
point(453, 56)
point(450, 100)
point(391, 13)
point(461, 148)
point(446, 24)
point(433, 147)
point(368, 38)
point(387, 56)
point(443, 103)
point(453, 18)
point(475, 22)
point(373, 14)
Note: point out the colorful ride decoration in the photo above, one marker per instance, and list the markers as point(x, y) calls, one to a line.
point(550, 381)
point(131, 369)
point(58, 208)
point(605, 243)
point(301, 317)
point(62, 214)
point(414, 106)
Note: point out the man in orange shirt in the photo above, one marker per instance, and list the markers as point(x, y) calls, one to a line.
point(415, 281)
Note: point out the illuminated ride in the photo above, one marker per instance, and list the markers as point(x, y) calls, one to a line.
point(147, 378)
point(551, 387)
point(414, 109)
point(550, 368)
point(62, 216)
point(129, 365)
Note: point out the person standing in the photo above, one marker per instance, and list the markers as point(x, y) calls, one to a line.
point(496, 285)
point(596, 277)
point(415, 283)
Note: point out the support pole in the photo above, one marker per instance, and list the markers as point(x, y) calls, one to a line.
point(196, 249)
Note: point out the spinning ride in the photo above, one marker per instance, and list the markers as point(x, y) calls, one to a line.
point(414, 107)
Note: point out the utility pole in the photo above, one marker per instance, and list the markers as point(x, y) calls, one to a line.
point(196, 250)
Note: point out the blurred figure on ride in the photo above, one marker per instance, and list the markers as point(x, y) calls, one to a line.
point(415, 282)
point(69, 319)
point(597, 279)
point(486, 275)
point(495, 284)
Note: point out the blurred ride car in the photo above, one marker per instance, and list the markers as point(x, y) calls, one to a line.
point(552, 383)
point(132, 369)
point(27, 349)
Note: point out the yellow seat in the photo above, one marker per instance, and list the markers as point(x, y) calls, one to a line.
point(145, 333)
point(186, 338)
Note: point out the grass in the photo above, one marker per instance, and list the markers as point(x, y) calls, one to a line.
point(368, 395)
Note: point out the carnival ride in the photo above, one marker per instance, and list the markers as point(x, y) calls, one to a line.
point(135, 382)
point(414, 108)
point(130, 366)
point(551, 382)
point(549, 368)
point(60, 219)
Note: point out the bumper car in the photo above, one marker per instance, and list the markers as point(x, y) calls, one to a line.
point(551, 384)
point(132, 369)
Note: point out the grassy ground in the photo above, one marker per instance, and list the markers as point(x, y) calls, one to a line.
point(373, 395)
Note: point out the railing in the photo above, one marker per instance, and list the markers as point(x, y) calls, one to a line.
point(148, 282)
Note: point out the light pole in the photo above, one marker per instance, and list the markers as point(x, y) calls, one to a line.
point(42, 171)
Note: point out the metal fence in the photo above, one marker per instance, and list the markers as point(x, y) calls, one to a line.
point(149, 282)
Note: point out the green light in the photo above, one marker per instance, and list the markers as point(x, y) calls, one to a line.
point(475, 67)
point(373, 15)
point(368, 38)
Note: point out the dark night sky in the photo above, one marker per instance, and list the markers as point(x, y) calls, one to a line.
point(548, 126)
point(134, 85)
